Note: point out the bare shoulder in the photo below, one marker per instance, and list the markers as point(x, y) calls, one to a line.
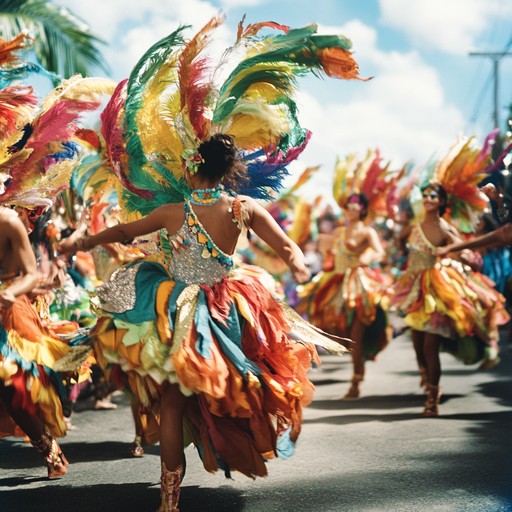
point(449, 228)
point(10, 221)
point(169, 210)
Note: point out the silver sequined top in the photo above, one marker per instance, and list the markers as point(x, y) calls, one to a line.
point(191, 255)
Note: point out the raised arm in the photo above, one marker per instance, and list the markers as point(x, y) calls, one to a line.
point(120, 233)
point(264, 225)
point(501, 236)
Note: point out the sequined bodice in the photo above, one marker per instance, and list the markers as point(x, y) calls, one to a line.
point(421, 251)
point(344, 258)
point(191, 255)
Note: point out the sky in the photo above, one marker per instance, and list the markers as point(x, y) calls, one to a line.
point(426, 91)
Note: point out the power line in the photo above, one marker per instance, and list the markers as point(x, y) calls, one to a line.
point(496, 58)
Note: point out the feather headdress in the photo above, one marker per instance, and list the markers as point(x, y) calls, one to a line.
point(174, 99)
point(369, 176)
point(459, 172)
point(37, 158)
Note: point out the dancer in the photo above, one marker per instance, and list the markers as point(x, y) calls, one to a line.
point(350, 300)
point(446, 304)
point(28, 386)
point(226, 377)
point(206, 349)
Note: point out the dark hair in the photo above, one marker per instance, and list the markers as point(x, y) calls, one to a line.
point(443, 197)
point(221, 161)
point(362, 199)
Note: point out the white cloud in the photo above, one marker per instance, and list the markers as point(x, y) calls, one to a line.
point(227, 4)
point(450, 26)
point(402, 111)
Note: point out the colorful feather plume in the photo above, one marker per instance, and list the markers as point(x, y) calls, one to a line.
point(39, 156)
point(459, 173)
point(175, 98)
point(370, 176)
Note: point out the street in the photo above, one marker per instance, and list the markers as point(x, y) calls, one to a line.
point(373, 454)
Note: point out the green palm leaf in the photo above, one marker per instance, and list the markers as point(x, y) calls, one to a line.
point(63, 43)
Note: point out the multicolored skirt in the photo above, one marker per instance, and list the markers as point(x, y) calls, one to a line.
point(332, 300)
point(456, 303)
point(228, 346)
point(28, 353)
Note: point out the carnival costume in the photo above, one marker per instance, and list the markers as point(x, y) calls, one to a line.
point(444, 296)
point(187, 315)
point(37, 155)
point(335, 297)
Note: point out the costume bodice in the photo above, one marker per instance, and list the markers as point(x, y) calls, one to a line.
point(344, 258)
point(422, 254)
point(191, 255)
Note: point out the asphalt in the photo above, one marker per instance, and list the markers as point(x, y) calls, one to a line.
point(373, 454)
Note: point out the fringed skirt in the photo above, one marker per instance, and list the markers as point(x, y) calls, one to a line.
point(228, 346)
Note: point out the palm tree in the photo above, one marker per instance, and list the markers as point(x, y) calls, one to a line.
point(63, 43)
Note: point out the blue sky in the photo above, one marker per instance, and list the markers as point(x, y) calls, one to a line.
point(426, 90)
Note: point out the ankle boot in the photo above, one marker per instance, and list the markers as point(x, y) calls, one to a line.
point(48, 447)
point(353, 390)
point(433, 398)
point(170, 489)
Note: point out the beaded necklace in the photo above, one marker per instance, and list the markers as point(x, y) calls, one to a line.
point(206, 196)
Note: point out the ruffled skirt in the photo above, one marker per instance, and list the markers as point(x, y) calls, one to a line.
point(456, 303)
point(332, 300)
point(28, 352)
point(227, 346)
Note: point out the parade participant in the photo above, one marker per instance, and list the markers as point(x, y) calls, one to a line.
point(206, 349)
point(28, 397)
point(350, 300)
point(446, 304)
point(200, 236)
point(37, 158)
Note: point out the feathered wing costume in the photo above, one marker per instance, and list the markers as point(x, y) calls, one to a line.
point(36, 159)
point(334, 298)
point(196, 323)
point(444, 296)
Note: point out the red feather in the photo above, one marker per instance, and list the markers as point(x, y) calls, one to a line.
point(194, 88)
point(112, 130)
point(12, 99)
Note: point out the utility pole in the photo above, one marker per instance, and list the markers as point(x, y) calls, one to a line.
point(496, 57)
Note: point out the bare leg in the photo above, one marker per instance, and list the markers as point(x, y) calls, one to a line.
point(30, 424)
point(172, 410)
point(431, 348)
point(356, 335)
point(418, 341)
point(42, 440)
point(137, 448)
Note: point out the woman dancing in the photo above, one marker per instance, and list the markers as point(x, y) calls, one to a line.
point(447, 305)
point(206, 349)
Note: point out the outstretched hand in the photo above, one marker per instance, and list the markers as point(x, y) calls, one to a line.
point(7, 299)
point(301, 275)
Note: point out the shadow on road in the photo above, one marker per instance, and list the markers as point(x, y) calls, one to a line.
point(103, 497)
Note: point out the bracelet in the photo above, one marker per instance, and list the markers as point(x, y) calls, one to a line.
point(503, 214)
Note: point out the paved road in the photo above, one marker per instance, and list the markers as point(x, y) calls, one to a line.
point(373, 454)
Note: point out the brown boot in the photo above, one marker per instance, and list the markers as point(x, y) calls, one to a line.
point(353, 390)
point(170, 489)
point(50, 450)
point(433, 398)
